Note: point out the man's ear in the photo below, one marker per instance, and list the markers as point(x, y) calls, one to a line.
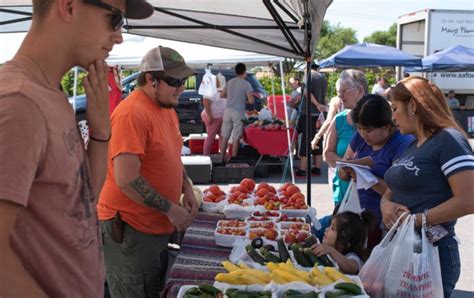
point(150, 79)
point(65, 9)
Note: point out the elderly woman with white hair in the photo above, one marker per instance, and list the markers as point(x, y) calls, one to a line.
point(353, 85)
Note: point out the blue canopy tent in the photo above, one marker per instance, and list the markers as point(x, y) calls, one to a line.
point(453, 59)
point(370, 55)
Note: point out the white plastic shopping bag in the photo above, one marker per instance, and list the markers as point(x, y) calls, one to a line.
point(208, 87)
point(403, 265)
point(222, 81)
point(351, 201)
point(320, 120)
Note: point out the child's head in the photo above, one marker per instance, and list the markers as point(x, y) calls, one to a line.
point(348, 231)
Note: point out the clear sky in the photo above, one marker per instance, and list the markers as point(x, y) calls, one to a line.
point(367, 16)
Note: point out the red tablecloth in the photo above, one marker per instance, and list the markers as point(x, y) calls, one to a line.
point(268, 142)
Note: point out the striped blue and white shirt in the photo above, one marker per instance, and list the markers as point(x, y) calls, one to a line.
point(419, 179)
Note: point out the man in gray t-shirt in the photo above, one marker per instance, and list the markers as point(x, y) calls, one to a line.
point(319, 86)
point(237, 91)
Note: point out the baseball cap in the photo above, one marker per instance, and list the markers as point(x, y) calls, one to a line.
point(138, 9)
point(167, 60)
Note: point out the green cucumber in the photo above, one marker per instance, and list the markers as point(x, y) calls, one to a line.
point(299, 256)
point(291, 293)
point(349, 287)
point(269, 256)
point(230, 291)
point(338, 293)
point(256, 257)
point(284, 255)
point(209, 289)
point(313, 259)
point(246, 294)
point(296, 294)
point(310, 240)
point(324, 260)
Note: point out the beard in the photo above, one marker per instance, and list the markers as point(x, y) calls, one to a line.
point(167, 105)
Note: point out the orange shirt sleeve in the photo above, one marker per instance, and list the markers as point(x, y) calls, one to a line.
point(129, 135)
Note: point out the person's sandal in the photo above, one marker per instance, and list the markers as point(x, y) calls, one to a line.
point(316, 171)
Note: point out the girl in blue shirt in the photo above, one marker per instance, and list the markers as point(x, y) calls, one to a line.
point(377, 138)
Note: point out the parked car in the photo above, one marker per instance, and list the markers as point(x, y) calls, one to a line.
point(190, 102)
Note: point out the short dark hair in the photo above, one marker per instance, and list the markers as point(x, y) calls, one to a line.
point(314, 66)
point(352, 230)
point(451, 91)
point(41, 7)
point(240, 68)
point(372, 110)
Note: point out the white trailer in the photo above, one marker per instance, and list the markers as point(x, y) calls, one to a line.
point(425, 32)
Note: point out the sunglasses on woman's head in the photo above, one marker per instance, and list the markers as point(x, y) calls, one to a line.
point(117, 18)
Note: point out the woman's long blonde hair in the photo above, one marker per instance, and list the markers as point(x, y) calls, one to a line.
point(431, 107)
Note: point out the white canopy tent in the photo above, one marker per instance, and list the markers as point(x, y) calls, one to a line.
point(130, 53)
point(286, 28)
point(272, 27)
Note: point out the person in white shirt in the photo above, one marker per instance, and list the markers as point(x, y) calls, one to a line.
point(379, 87)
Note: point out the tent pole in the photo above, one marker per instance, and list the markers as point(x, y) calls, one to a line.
point(308, 130)
point(308, 56)
point(290, 154)
point(74, 90)
point(273, 93)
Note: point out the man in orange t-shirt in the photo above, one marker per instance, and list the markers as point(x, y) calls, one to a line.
point(139, 204)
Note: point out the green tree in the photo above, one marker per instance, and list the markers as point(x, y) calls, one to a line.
point(388, 38)
point(67, 82)
point(332, 39)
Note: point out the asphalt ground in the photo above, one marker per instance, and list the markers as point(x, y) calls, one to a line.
point(321, 199)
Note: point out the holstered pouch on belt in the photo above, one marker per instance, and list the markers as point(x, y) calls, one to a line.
point(118, 226)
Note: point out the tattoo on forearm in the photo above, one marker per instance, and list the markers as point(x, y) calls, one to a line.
point(151, 198)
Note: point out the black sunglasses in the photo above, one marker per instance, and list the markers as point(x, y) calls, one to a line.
point(117, 19)
point(172, 82)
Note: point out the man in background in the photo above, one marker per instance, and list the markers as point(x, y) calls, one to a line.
point(319, 86)
point(238, 91)
point(453, 102)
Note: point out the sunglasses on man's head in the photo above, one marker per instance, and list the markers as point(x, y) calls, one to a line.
point(116, 20)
